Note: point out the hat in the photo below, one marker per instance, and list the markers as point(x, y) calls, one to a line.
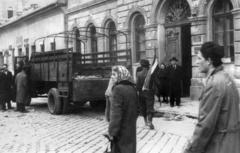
point(173, 58)
point(144, 63)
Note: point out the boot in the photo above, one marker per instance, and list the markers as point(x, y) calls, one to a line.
point(150, 117)
point(145, 120)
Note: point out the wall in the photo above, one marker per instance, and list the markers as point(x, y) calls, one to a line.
point(13, 36)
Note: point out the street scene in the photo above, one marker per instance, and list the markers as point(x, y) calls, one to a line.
point(119, 76)
point(82, 130)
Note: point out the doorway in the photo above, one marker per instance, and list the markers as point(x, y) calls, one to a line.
point(178, 44)
point(186, 59)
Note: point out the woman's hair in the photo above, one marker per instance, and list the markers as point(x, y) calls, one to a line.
point(163, 65)
point(214, 52)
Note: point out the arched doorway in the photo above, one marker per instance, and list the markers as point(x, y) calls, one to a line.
point(178, 39)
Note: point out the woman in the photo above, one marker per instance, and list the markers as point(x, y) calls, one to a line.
point(123, 116)
point(218, 127)
point(163, 83)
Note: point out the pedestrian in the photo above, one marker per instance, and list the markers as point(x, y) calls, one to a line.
point(27, 64)
point(9, 85)
point(162, 76)
point(108, 96)
point(139, 68)
point(17, 70)
point(146, 97)
point(175, 78)
point(123, 116)
point(218, 127)
point(22, 90)
point(2, 90)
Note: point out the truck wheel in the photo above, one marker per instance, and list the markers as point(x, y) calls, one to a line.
point(54, 102)
point(94, 104)
point(65, 102)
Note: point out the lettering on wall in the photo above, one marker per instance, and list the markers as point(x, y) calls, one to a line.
point(19, 41)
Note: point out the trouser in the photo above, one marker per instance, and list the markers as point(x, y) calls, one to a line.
point(21, 107)
point(9, 105)
point(3, 106)
point(146, 102)
point(174, 96)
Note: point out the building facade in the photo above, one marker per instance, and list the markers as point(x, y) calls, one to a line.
point(174, 27)
point(19, 35)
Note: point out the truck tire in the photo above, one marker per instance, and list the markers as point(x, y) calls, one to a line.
point(65, 108)
point(54, 102)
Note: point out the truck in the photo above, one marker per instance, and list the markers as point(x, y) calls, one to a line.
point(68, 76)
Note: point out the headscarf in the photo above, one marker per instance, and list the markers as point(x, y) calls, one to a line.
point(123, 73)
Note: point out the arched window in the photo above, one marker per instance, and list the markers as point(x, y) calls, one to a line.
point(112, 37)
point(223, 27)
point(10, 12)
point(93, 39)
point(140, 38)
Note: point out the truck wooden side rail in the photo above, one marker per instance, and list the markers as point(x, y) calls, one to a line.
point(72, 77)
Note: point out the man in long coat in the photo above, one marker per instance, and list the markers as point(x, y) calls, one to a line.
point(22, 90)
point(218, 127)
point(175, 78)
point(146, 98)
point(2, 91)
point(9, 85)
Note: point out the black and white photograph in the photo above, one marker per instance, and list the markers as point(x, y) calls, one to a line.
point(120, 76)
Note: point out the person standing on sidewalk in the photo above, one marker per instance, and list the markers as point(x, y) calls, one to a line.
point(9, 85)
point(124, 113)
point(22, 90)
point(146, 98)
point(163, 83)
point(175, 78)
point(2, 90)
point(218, 127)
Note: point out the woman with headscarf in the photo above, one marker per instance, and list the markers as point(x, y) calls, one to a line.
point(123, 112)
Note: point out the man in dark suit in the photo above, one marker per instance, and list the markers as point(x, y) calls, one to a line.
point(2, 90)
point(175, 78)
point(9, 85)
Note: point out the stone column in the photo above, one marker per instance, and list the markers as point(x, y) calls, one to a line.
point(151, 41)
point(199, 35)
point(236, 19)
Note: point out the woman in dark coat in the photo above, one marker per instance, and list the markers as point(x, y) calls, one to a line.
point(218, 127)
point(163, 82)
point(123, 116)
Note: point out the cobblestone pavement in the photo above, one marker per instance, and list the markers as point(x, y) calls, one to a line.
point(79, 132)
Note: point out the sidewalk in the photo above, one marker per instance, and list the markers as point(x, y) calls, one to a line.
point(188, 108)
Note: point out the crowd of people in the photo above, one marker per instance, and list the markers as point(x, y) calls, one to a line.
point(15, 88)
point(218, 127)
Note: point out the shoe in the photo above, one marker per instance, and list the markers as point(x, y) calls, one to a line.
point(150, 117)
point(172, 105)
point(16, 110)
point(10, 108)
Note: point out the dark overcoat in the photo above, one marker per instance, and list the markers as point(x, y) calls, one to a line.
point(9, 85)
point(21, 81)
point(217, 130)
point(2, 88)
point(162, 76)
point(123, 116)
point(14, 89)
point(175, 78)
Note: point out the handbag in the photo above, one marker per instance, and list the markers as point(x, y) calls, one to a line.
point(109, 144)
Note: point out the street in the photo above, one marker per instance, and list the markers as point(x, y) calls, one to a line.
point(82, 131)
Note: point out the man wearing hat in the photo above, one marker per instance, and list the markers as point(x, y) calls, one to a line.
point(2, 90)
point(23, 95)
point(9, 85)
point(146, 98)
point(175, 78)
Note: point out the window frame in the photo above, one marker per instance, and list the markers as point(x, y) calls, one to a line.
point(224, 15)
